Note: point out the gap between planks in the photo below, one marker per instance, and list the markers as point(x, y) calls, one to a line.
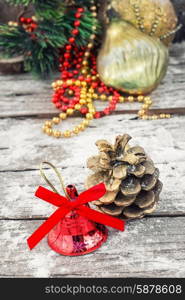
point(173, 111)
point(146, 217)
point(62, 168)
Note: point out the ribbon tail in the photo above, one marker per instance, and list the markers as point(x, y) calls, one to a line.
point(101, 218)
point(94, 193)
point(41, 232)
point(50, 196)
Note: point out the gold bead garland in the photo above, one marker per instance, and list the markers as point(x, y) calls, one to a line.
point(88, 94)
point(47, 128)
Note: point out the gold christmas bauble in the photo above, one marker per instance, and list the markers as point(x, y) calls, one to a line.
point(154, 17)
point(130, 60)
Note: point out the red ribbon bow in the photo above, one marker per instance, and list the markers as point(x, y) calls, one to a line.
point(65, 206)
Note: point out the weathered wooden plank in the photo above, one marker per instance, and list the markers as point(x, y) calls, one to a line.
point(8, 12)
point(148, 248)
point(21, 95)
point(25, 95)
point(18, 188)
point(24, 146)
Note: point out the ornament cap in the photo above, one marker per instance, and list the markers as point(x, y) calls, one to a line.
point(71, 192)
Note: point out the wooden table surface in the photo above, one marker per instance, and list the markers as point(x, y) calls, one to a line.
point(151, 247)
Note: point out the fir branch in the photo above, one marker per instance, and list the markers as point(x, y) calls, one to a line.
point(54, 26)
point(42, 61)
point(85, 28)
point(40, 48)
point(13, 40)
point(21, 2)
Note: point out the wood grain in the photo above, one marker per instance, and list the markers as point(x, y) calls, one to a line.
point(18, 188)
point(152, 247)
point(22, 95)
point(148, 248)
point(24, 146)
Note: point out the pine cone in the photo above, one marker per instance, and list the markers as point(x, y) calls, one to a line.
point(130, 177)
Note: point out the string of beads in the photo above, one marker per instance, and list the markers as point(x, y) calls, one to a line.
point(80, 86)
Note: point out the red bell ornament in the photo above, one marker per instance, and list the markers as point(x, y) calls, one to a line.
point(74, 228)
point(75, 234)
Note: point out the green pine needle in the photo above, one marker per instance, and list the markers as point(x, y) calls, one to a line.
point(55, 24)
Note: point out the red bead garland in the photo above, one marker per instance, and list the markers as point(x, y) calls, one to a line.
point(72, 59)
point(80, 85)
point(29, 24)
